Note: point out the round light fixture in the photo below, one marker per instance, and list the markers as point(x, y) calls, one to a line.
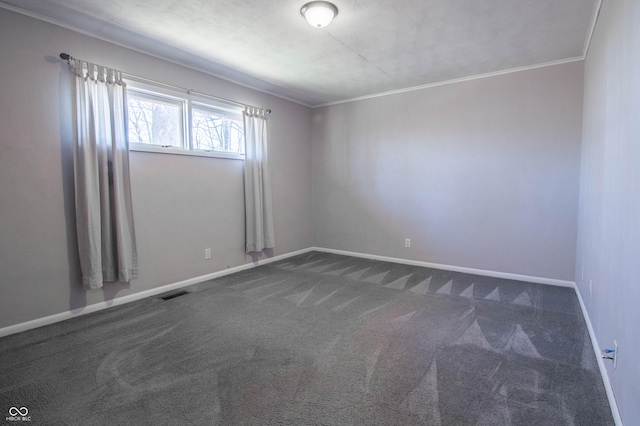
point(319, 13)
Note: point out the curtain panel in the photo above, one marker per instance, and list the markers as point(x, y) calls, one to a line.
point(259, 232)
point(104, 212)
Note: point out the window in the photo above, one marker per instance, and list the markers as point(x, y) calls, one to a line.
point(215, 130)
point(176, 123)
point(155, 120)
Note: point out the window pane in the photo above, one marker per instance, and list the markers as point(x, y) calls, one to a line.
point(215, 131)
point(154, 121)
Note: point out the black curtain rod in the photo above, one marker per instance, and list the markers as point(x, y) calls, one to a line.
point(69, 58)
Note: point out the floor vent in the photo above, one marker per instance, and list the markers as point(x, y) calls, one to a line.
point(174, 295)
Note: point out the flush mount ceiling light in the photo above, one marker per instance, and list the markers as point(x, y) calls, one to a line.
point(319, 13)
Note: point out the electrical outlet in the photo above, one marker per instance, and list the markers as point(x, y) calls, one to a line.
point(207, 253)
point(590, 288)
point(407, 242)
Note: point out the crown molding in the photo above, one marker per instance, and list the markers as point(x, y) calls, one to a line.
point(457, 80)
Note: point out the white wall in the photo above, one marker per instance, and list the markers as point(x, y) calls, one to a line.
point(182, 204)
point(609, 225)
point(481, 174)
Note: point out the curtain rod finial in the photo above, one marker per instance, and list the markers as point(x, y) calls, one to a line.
point(65, 56)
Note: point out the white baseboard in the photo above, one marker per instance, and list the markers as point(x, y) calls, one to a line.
point(603, 371)
point(483, 272)
point(51, 319)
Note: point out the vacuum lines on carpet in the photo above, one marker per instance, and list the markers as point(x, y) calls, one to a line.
point(317, 339)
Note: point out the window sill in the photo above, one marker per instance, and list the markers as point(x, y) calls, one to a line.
point(178, 151)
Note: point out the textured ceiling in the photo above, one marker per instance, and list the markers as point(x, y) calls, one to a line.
point(373, 46)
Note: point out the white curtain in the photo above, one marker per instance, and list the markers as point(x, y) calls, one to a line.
point(257, 182)
point(104, 214)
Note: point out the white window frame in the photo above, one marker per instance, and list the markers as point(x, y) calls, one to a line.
point(188, 101)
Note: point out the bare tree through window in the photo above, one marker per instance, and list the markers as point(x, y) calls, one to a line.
point(216, 132)
point(154, 122)
point(157, 119)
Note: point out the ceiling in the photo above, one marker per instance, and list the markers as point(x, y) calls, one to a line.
point(372, 47)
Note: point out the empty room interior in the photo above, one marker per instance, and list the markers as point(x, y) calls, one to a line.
point(412, 212)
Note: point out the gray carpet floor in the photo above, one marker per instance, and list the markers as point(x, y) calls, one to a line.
point(317, 339)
